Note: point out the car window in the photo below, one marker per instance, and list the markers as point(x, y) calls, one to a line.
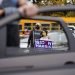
point(49, 36)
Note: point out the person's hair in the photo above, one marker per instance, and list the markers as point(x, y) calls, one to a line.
point(45, 32)
point(18, 5)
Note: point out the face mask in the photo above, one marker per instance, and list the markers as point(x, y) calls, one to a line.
point(37, 27)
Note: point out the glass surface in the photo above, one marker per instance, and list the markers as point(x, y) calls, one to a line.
point(49, 36)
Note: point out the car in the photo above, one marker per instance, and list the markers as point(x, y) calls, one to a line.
point(44, 61)
point(72, 28)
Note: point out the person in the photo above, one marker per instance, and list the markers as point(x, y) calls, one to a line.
point(44, 35)
point(26, 9)
point(34, 34)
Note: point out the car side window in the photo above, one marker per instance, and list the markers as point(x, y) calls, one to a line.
point(51, 35)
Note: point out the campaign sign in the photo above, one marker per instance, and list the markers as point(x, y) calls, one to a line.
point(43, 44)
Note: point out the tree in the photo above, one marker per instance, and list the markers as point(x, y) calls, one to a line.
point(64, 2)
point(70, 14)
point(73, 1)
point(58, 14)
point(49, 2)
point(56, 2)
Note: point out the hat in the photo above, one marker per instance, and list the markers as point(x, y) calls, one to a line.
point(38, 24)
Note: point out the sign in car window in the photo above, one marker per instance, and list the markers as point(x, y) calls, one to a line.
point(43, 44)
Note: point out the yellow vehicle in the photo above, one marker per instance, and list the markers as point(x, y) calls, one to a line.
point(27, 25)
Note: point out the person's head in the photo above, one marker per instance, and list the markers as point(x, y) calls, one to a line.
point(44, 33)
point(38, 26)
